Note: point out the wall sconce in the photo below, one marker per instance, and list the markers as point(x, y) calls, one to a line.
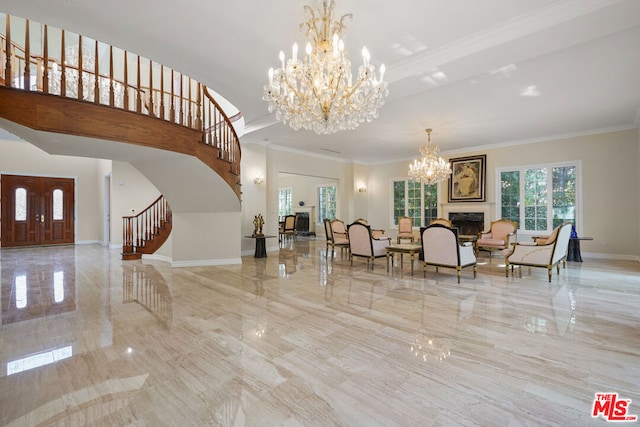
point(258, 180)
point(362, 188)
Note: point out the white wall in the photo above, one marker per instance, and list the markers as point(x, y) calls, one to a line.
point(131, 193)
point(21, 158)
point(254, 196)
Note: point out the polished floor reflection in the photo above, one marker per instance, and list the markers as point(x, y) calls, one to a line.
point(301, 339)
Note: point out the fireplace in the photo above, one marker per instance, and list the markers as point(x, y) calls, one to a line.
point(467, 223)
point(302, 223)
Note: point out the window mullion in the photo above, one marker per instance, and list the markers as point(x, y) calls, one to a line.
point(522, 199)
point(422, 207)
point(549, 198)
point(406, 197)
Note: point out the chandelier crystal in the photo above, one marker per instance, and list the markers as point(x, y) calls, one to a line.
point(431, 169)
point(318, 92)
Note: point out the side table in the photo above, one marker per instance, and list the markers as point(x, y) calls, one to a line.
point(573, 252)
point(261, 245)
point(403, 248)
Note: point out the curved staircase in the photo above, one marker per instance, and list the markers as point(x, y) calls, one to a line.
point(73, 96)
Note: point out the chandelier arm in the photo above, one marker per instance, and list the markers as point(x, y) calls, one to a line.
point(353, 90)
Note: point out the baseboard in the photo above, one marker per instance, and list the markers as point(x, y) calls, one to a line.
point(618, 257)
point(206, 262)
point(88, 242)
point(154, 257)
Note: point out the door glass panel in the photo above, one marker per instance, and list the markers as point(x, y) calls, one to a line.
point(57, 204)
point(21, 204)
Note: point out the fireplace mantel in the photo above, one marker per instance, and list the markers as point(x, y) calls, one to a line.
point(485, 208)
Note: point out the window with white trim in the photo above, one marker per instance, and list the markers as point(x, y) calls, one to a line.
point(415, 200)
point(326, 202)
point(284, 202)
point(539, 197)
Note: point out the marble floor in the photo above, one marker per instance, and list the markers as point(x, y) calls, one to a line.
point(296, 339)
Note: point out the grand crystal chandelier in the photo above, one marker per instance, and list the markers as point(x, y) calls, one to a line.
point(431, 169)
point(318, 92)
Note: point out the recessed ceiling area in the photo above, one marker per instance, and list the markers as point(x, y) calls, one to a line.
point(479, 73)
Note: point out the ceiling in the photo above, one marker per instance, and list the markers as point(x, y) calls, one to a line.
point(480, 74)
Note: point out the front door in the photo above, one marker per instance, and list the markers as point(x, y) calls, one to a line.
point(36, 210)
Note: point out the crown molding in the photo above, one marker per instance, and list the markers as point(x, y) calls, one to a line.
point(550, 16)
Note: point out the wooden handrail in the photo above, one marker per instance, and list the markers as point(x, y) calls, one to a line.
point(139, 229)
point(55, 73)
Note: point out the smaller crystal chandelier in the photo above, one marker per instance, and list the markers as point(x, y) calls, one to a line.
point(431, 169)
point(318, 92)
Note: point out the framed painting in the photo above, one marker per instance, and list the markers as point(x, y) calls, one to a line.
point(468, 179)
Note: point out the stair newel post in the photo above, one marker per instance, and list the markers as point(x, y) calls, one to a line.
point(63, 67)
point(147, 218)
point(156, 219)
point(190, 118)
point(80, 71)
point(45, 54)
point(198, 124)
point(125, 100)
point(8, 78)
point(27, 57)
point(96, 81)
point(181, 99)
point(216, 140)
point(172, 108)
point(111, 92)
point(209, 124)
point(162, 91)
point(139, 91)
point(153, 220)
point(126, 235)
point(150, 107)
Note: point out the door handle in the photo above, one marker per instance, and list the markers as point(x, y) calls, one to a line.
point(41, 218)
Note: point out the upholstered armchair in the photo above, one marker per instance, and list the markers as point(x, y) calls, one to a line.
point(405, 228)
point(378, 233)
point(440, 248)
point(362, 243)
point(336, 238)
point(288, 228)
point(500, 233)
point(547, 254)
point(441, 221)
point(339, 230)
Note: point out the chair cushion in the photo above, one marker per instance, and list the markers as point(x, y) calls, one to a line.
point(491, 242)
